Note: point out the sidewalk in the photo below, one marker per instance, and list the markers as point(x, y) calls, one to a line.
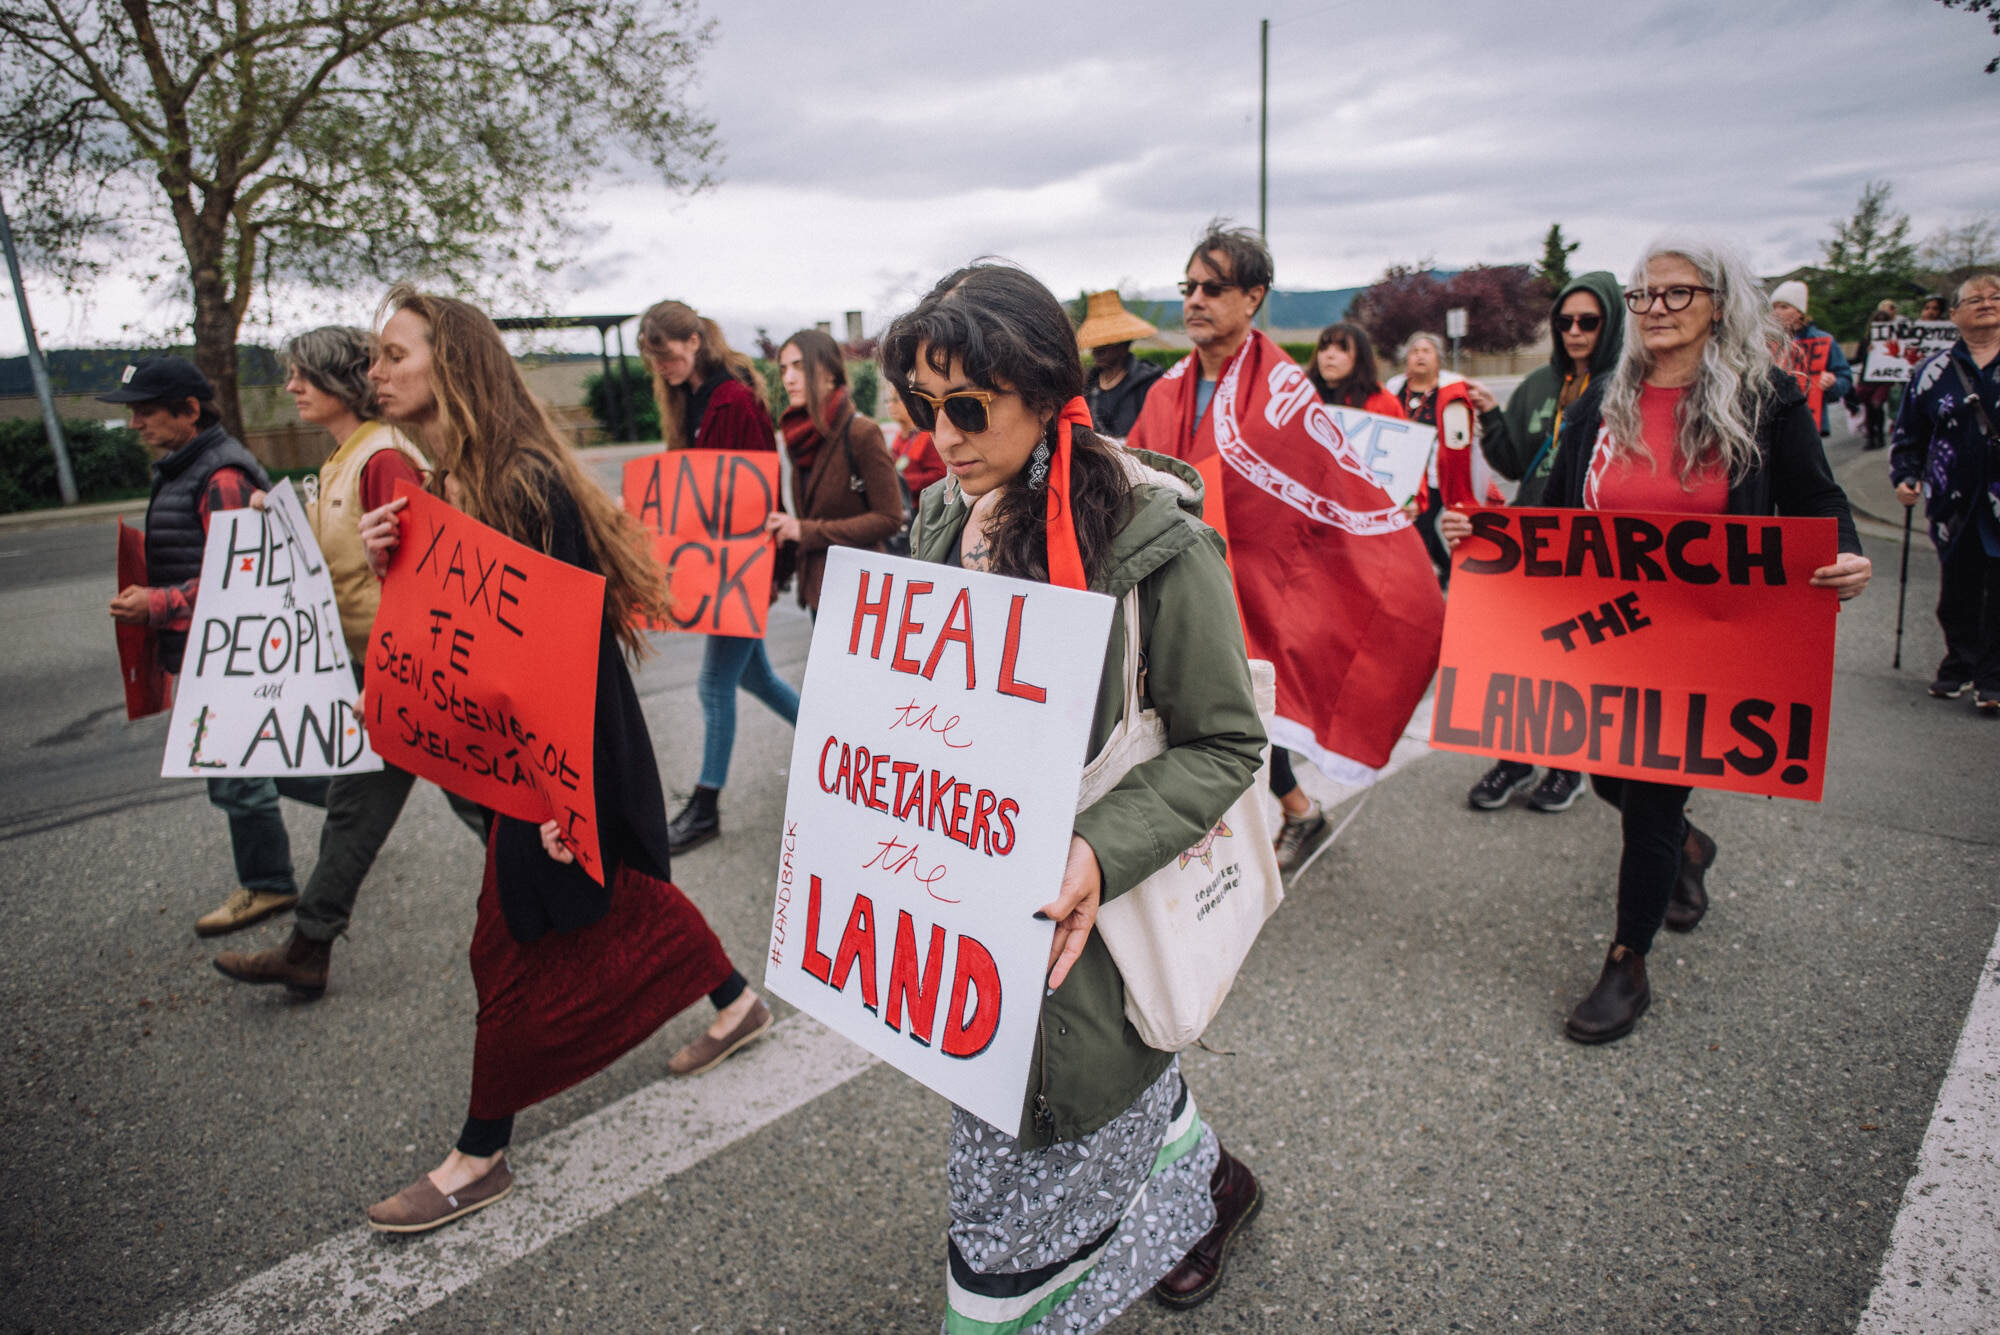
point(134, 510)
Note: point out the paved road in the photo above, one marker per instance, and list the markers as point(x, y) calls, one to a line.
point(1436, 1156)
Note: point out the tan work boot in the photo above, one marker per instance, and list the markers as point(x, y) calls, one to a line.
point(241, 909)
point(300, 964)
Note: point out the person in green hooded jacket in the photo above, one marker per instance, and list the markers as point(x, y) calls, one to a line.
point(1113, 1182)
point(1586, 328)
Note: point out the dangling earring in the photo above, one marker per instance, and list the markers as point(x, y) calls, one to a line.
point(1038, 466)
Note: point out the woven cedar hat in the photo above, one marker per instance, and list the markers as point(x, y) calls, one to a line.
point(1107, 321)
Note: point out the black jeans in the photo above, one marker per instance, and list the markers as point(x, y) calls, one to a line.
point(1968, 611)
point(361, 809)
point(1655, 831)
point(1282, 778)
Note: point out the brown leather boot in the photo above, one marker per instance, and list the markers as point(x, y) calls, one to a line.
point(1616, 1003)
point(300, 964)
point(1237, 1200)
point(1689, 900)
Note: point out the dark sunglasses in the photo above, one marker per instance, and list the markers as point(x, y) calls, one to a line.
point(967, 409)
point(1210, 287)
point(1587, 323)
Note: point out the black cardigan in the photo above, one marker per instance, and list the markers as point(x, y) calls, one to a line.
point(537, 893)
point(1790, 476)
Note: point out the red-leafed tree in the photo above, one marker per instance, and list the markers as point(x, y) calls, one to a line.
point(1505, 306)
point(1402, 302)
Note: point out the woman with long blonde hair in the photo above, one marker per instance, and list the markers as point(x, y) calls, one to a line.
point(709, 399)
point(571, 974)
point(1696, 420)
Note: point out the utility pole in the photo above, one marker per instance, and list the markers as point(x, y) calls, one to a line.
point(1264, 150)
point(65, 479)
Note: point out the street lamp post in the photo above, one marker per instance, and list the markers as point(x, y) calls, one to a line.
point(65, 478)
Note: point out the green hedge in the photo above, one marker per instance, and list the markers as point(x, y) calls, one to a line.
point(108, 461)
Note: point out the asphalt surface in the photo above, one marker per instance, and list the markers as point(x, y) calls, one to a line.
point(1434, 1154)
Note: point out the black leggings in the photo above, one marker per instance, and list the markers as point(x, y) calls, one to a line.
point(1655, 831)
point(483, 1137)
point(1282, 778)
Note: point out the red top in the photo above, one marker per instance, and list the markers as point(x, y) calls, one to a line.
point(736, 420)
point(917, 460)
point(1652, 483)
point(1383, 402)
point(379, 478)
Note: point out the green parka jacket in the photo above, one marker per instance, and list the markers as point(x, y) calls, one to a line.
point(1519, 440)
point(1090, 1064)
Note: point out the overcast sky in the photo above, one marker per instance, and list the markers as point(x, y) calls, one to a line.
point(870, 147)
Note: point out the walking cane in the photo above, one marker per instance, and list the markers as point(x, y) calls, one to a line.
point(1903, 585)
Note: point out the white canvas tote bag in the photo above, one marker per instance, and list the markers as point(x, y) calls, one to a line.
point(1179, 936)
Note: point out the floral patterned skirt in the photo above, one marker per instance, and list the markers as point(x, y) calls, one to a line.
point(1063, 1239)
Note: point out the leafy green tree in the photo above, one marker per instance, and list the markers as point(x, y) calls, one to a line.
point(1553, 271)
point(330, 142)
point(1869, 256)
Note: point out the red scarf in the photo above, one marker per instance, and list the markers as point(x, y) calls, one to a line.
point(1065, 557)
point(802, 439)
point(1333, 582)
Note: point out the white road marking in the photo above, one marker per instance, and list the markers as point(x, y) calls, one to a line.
point(1941, 1275)
point(363, 1281)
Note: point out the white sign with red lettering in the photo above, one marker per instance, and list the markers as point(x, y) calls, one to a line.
point(940, 744)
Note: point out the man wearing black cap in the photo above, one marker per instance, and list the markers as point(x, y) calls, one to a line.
point(203, 469)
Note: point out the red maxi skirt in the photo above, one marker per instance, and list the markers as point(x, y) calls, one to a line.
point(560, 1010)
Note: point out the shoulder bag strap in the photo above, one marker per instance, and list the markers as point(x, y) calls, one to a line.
point(1981, 416)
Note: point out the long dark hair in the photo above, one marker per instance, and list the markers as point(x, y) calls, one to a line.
point(1362, 382)
point(818, 352)
point(1008, 332)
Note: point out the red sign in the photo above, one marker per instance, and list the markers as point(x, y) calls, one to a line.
point(482, 671)
point(1806, 360)
point(148, 689)
point(1685, 649)
point(706, 512)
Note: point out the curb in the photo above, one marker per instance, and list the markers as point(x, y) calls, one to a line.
point(28, 520)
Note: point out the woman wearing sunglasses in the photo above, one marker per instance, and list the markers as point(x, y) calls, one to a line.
point(1692, 419)
point(1585, 325)
point(710, 398)
point(843, 480)
point(1112, 1183)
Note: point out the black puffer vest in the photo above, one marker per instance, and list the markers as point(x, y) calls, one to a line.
point(174, 537)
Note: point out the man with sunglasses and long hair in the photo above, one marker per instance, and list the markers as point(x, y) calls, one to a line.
point(1319, 552)
point(1587, 328)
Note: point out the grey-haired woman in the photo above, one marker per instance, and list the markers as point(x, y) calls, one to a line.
point(1694, 419)
point(1112, 1183)
point(327, 377)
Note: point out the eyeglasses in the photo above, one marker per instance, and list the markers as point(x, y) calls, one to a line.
point(1676, 298)
point(1587, 323)
point(967, 409)
point(1210, 287)
point(1984, 300)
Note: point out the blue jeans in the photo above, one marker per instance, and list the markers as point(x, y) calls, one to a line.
point(730, 661)
point(257, 831)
